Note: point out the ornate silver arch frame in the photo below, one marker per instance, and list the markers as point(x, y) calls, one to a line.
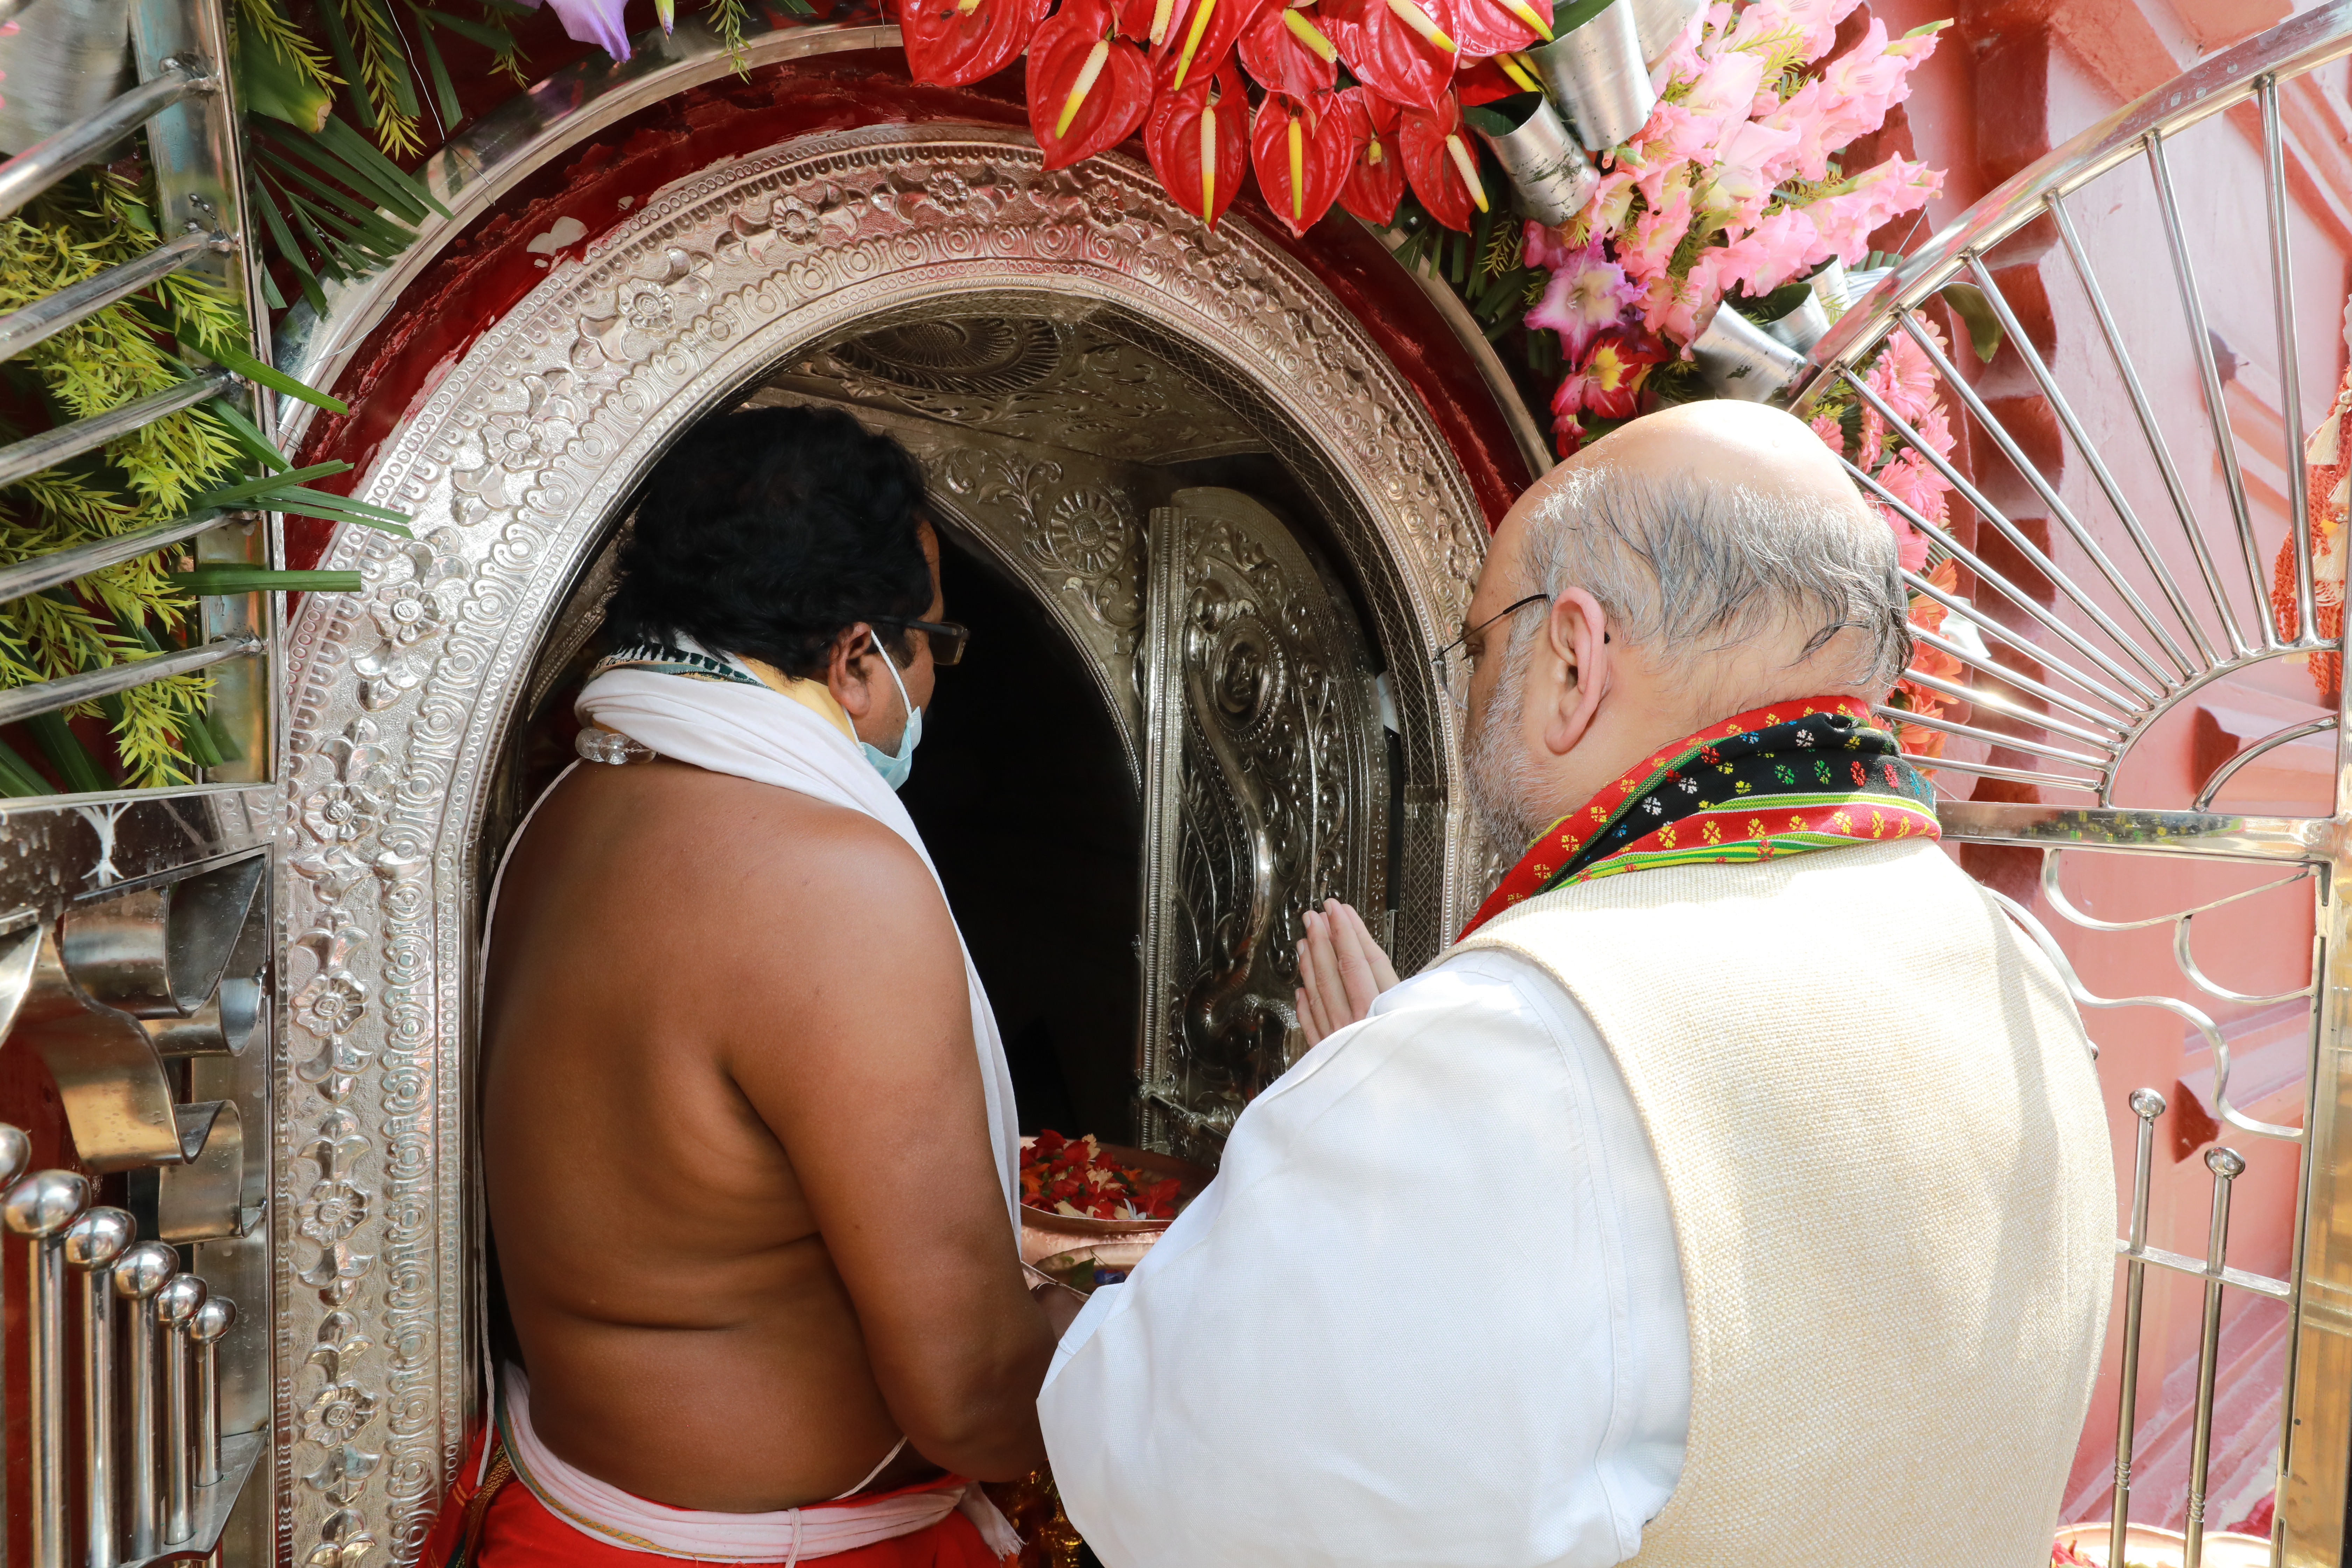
point(402, 696)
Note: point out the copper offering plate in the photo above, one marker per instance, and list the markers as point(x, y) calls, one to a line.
point(1044, 1234)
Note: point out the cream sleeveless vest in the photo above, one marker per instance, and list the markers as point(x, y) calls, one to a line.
point(1888, 1162)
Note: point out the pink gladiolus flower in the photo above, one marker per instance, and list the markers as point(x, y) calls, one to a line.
point(1655, 234)
point(1815, 21)
point(1541, 247)
point(1587, 294)
point(1826, 427)
point(1852, 94)
point(1782, 246)
point(1846, 221)
point(1671, 309)
point(1723, 95)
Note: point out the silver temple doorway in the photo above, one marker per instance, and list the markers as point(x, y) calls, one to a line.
point(1170, 689)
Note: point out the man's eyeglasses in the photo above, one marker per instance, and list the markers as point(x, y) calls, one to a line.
point(949, 638)
point(1454, 661)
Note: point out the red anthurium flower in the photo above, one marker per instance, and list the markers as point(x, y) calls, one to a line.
point(1484, 81)
point(1484, 27)
point(1608, 384)
point(1198, 141)
point(1196, 38)
point(1402, 49)
point(1088, 88)
point(1441, 159)
point(1301, 149)
point(951, 42)
point(1287, 51)
point(1375, 158)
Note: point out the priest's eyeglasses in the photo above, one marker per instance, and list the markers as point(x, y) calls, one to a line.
point(949, 638)
point(1455, 661)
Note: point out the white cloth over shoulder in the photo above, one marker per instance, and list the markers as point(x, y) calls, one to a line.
point(1429, 1315)
point(755, 734)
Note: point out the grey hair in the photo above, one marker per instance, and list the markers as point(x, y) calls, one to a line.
point(1684, 570)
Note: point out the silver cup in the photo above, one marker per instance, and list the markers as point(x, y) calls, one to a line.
point(1549, 171)
point(1740, 360)
point(1803, 326)
point(1659, 23)
point(1596, 74)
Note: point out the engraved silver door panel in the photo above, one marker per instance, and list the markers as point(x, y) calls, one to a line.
point(1267, 791)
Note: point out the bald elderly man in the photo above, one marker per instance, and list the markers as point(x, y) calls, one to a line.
point(1736, 1191)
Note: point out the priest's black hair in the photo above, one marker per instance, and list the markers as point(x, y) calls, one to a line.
point(765, 531)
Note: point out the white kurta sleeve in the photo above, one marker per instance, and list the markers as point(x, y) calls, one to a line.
point(1429, 1315)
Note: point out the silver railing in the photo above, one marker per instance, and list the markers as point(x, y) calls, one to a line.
point(2100, 609)
point(137, 931)
point(184, 101)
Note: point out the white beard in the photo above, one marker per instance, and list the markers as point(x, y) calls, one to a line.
point(1506, 788)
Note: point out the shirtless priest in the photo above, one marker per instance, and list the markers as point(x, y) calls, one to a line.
point(1736, 1192)
point(747, 1127)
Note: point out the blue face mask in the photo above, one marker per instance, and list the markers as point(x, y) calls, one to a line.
point(896, 769)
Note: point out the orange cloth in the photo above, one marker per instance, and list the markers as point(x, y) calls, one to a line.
point(521, 1532)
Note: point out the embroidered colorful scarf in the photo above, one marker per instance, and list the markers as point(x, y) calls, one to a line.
point(1808, 774)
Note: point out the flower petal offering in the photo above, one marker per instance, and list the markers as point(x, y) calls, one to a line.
point(1074, 1176)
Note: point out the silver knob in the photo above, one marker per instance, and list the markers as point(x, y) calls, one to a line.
point(144, 1269)
point(178, 1301)
point(99, 1238)
point(45, 1203)
point(2146, 1104)
point(213, 1319)
point(15, 1153)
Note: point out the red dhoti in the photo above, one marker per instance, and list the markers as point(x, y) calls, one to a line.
point(518, 1531)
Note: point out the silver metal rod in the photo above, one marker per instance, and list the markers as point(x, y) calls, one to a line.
point(138, 1275)
point(2057, 398)
point(2040, 656)
point(2209, 374)
point(2025, 547)
point(64, 565)
point(176, 1309)
point(2147, 1105)
point(39, 1208)
point(45, 317)
point(2003, 587)
point(2290, 366)
point(2028, 471)
point(1994, 770)
point(52, 447)
point(2149, 429)
point(51, 158)
point(2262, 747)
point(213, 1320)
point(2227, 1165)
point(1992, 701)
point(93, 1244)
point(48, 696)
point(1996, 670)
point(1995, 738)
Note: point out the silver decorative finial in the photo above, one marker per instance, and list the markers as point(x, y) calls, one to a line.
point(213, 1319)
point(15, 1153)
point(178, 1302)
point(99, 1238)
point(2226, 1164)
point(45, 1203)
point(144, 1269)
point(2146, 1104)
